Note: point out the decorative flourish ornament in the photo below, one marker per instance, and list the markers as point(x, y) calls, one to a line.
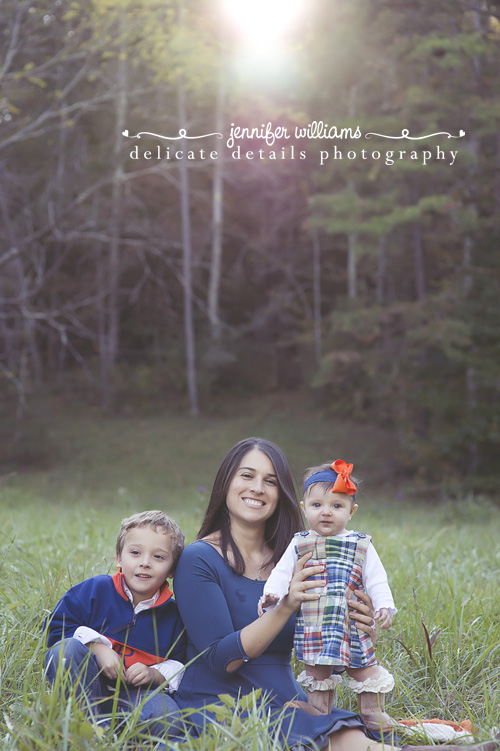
point(182, 134)
point(405, 133)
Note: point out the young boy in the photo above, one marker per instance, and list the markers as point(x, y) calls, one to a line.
point(124, 629)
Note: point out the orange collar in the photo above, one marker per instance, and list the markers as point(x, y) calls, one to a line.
point(119, 581)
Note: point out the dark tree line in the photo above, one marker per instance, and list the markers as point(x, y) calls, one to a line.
point(374, 282)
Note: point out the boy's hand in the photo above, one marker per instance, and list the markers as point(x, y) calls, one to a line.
point(384, 617)
point(266, 601)
point(107, 659)
point(139, 674)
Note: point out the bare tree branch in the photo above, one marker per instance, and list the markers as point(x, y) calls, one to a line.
point(12, 49)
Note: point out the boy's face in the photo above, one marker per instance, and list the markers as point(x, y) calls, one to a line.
point(146, 560)
point(328, 513)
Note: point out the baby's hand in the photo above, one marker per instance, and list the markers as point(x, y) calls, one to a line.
point(107, 659)
point(266, 601)
point(384, 617)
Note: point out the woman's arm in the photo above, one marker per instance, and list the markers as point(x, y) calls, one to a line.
point(204, 610)
point(258, 635)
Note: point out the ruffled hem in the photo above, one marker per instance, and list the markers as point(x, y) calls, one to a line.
point(312, 684)
point(382, 684)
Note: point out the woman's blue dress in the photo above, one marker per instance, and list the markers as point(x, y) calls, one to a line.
point(215, 604)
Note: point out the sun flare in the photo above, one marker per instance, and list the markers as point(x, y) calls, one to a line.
point(263, 21)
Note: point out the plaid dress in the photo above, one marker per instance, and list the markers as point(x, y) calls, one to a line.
point(324, 633)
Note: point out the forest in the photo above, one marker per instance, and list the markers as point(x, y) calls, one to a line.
point(192, 215)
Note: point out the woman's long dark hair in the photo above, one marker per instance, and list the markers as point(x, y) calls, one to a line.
point(282, 525)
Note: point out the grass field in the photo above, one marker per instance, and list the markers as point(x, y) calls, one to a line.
point(58, 525)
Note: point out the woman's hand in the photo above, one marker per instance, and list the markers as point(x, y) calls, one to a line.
point(300, 586)
point(364, 614)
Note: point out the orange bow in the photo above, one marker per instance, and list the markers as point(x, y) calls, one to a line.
point(343, 483)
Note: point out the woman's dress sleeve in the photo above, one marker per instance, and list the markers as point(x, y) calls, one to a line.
point(203, 608)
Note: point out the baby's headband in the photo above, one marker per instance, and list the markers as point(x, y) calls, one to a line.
point(339, 473)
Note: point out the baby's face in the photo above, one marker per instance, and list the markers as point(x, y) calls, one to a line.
point(327, 513)
point(146, 560)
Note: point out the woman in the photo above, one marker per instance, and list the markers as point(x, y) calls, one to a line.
point(251, 516)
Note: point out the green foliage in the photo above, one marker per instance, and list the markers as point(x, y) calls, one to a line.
point(346, 212)
point(409, 355)
point(243, 724)
point(376, 355)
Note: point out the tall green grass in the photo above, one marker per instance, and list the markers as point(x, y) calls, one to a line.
point(59, 526)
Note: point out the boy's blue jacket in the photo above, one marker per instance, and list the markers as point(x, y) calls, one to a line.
point(149, 637)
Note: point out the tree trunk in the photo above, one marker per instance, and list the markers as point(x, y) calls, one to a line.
point(18, 334)
point(352, 283)
point(471, 386)
point(189, 337)
point(466, 264)
point(317, 296)
point(381, 269)
point(467, 253)
point(110, 340)
point(352, 238)
point(217, 214)
point(418, 257)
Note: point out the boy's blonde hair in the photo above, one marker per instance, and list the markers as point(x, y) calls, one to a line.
point(325, 484)
point(159, 521)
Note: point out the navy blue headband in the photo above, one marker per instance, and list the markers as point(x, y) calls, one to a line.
point(326, 475)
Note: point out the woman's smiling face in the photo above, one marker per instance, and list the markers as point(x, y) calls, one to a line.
point(253, 493)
